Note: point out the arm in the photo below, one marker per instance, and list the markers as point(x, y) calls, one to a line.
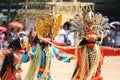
point(108, 51)
point(66, 49)
point(27, 56)
point(58, 45)
point(6, 52)
point(61, 56)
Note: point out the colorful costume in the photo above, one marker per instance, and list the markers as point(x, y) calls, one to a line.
point(84, 68)
point(42, 53)
point(11, 67)
point(89, 54)
point(41, 62)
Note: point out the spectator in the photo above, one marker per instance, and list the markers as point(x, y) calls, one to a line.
point(8, 38)
point(64, 34)
point(117, 38)
point(111, 35)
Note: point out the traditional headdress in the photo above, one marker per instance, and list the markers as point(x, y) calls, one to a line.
point(49, 26)
point(88, 21)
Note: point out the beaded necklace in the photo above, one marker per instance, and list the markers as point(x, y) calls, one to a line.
point(91, 56)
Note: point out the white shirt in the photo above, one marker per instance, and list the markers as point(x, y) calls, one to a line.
point(61, 36)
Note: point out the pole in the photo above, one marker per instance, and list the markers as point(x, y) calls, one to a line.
point(74, 0)
point(53, 8)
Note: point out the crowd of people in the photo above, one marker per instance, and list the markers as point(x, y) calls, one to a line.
point(113, 38)
point(89, 39)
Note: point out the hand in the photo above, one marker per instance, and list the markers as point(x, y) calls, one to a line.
point(72, 57)
point(28, 48)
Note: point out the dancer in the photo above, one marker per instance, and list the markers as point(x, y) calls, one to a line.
point(11, 65)
point(89, 54)
point(42, 53)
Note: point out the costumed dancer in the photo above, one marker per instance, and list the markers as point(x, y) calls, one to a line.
point(42, 53)
point(11, 65)
point(90, 54)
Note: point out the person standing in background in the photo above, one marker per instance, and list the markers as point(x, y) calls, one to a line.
point(64, 34)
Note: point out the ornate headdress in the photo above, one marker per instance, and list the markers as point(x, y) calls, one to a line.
point(89, 21)
point(49, 27)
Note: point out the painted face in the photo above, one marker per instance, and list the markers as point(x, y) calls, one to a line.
point(47, 35)
point(90, 33)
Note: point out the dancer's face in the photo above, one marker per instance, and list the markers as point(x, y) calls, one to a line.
point(42, 40)
point(90, 33)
